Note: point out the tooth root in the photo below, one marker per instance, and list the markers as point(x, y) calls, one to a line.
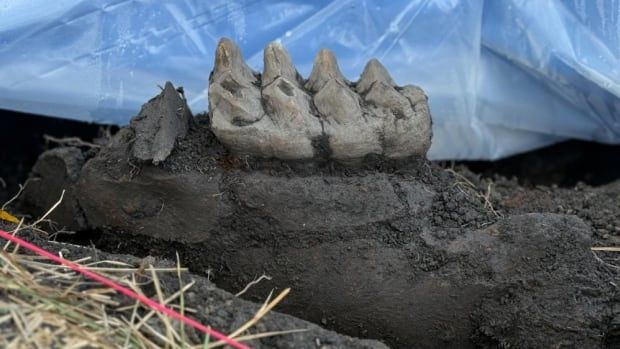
point(278, 63)
point(325, 69)
point(228, 59)
point(373, 72)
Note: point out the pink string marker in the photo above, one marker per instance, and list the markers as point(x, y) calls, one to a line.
point(121, 289)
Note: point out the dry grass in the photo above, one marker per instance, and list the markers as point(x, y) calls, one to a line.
point(606, 248)
point(470, 189)
point(70, 142)
point(45, 305)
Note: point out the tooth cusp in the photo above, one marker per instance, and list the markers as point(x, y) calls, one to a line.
point(325, 69)
point(373, 72)
point(228, 59)
point(277, 62)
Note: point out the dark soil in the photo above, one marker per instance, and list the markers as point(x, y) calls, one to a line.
point(564, 164)
point(413, 253)
point(409, 253)
point(215, 307)
point(22, 141)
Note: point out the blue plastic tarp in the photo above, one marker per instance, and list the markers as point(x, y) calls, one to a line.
point(503, 76)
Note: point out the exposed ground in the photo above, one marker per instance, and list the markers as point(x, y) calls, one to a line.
point(54, 290)
point(417, 255)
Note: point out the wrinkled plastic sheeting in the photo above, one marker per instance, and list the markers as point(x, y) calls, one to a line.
point(549, 71)
point(503, 76)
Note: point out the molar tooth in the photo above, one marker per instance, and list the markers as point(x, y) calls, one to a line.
point(274, 121)
point(274, 118)
point(373, 72)
point(233, 96)
point(325, 69)
point(278, 63)
point(228, 58)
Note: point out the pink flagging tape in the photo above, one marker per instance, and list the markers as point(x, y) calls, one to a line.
point(127, 292)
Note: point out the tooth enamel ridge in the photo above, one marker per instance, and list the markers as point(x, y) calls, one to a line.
point(278, 64)
point(278, 115)
point(229, 61)
point(373, 72)
point(325, 69)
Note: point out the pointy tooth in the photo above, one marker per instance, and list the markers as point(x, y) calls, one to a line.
point(325, 69)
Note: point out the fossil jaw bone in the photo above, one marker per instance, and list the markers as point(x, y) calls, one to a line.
point(279, 115)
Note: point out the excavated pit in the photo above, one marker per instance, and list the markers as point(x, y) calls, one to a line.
point(380, 244)
point(401, 253)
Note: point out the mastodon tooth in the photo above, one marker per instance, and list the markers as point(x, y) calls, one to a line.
point(325, 69)
point(373, 72)
point(278, 115)
point(278, 63)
